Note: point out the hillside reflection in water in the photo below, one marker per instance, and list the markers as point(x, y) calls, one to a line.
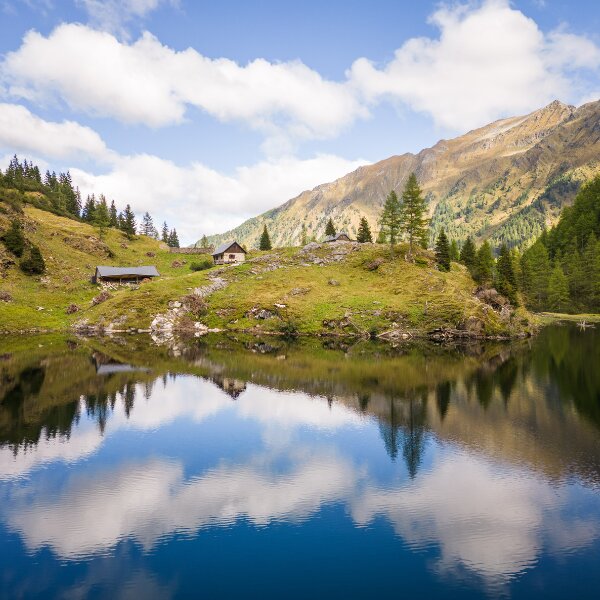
point(472, 470)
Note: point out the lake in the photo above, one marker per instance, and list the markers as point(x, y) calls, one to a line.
point(222, 467)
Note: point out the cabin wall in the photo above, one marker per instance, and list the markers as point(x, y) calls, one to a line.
point(229, 258)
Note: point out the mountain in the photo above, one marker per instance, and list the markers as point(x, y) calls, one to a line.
point(504, 181)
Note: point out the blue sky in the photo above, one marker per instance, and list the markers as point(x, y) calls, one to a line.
point(207, 113)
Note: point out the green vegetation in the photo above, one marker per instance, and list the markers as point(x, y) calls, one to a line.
point(413, 221)
point(265, 240)
point(390, 221)
point(442, 252)
point(202, 263)
point(330, 228)
point(364, 232)
point(13, 239)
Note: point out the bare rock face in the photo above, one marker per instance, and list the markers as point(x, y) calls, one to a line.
point(474, 326)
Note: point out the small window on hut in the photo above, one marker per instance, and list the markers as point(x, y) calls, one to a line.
point(232, 256)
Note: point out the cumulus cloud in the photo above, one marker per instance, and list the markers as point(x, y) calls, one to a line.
point(147, 82)
point(115, 15)
point(202, 200)
point(22, 131)
point(489, 61)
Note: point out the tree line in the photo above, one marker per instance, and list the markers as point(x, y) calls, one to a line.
point(64, 199)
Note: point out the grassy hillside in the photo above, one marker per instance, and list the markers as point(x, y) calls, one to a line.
point(341, 289)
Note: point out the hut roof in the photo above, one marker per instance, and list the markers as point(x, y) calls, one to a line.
point(337, 236)
point(225, 246)
point(148, 271)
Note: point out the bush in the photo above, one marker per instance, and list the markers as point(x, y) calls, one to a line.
point(202, 264)
point(13, 239)
point(34, 264)
point(195, 305)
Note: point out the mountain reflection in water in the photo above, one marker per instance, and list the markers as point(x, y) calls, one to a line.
point(471, 470)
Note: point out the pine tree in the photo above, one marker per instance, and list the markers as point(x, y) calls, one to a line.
point(330, 228)
point(484, 266)
point(468, 255)
point(390, 220)
point(265, 240)
point(34, 264)
point(535, 273)
point(173, 239)
point(442, 251)
point(558, 291)
point(454, 251)
point(165, 233)
point(128, 224)
point(414, 222)
point(364, 232)
point(506, 282)
point(114, 219)
point(13, 239)
point(147, 226)
point(89, 209)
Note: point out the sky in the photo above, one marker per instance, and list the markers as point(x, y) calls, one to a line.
point(208, 113)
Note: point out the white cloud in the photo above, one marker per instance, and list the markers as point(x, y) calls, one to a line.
point(147, 82)
point(115, 15)
point(198, 200)
point(489, 61)
point(22, 131)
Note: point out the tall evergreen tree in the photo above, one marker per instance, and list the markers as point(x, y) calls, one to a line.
point(390, 220)
point(303, 235)
point(330, 228)
point(364, 232)
point(506, 282)
point(535, 273)
point(165, 233)
point(89, 209)
point(468, 254)
point(173, 239)
point(442, 251)
point(114, 218)
point(484, 266)
point(101, 216)
point(413, 219)
point(147, 226)
point(265, 240)
point(558, 291)
point(128, 224)
point(34, 263)
point(454, 251)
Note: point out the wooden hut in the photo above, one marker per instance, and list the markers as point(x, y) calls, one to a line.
point(124, 274)
point(229, 252)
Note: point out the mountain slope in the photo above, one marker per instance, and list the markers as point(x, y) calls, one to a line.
point(505, 181)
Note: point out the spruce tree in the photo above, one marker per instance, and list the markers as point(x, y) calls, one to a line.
point(413, 219)
point(89, 209)
point(390, 220)
point(265, 240)
point(535, 273)
point(364, 232)
point(468, 254)
point(114, 219)
point(165, 233)
point(506, 282)
point(13, 239)
point(454, 251)
point(558, 291)
point(102, 216)
point(484, 266)
point(173, 239)
point(442, 252)
point(147, 226)
point(34, 263)
point(330, 228)
point(128, 224)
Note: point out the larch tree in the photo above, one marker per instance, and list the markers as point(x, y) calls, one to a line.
point(413, 211)
point(484, 266)
point(442, 251)
point(506, 282)
point(364, 232)
point(265, 240)
point(454, 251)
point(558, 291)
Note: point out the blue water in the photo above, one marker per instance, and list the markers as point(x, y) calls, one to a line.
point(220, 473)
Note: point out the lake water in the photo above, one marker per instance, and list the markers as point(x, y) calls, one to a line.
point(265, 468)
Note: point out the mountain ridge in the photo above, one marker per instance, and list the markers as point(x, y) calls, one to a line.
point(506, 181)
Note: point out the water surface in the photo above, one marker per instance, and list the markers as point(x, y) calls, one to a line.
point(225, 467)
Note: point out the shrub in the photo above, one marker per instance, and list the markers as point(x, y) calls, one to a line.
point(195, 305)
point(13, 239)
point(34, 264)
point(288, 328)
point(201, 264)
